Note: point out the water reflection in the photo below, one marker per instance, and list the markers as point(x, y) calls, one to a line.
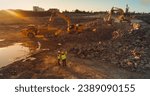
point(32, 45)
point(12, 53)
point(2, 40)
point(20, 51)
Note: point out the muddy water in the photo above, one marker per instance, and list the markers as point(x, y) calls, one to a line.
point(12, 53)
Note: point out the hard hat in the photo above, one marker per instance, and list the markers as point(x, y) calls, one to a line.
point(59, 44)
point(62, 52)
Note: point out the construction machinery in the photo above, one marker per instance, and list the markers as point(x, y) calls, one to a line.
point(32, 31)
point(117, 15)
point(71, 28)
point(48, 30)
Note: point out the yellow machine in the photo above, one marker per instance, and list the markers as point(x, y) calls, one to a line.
point(47, 31)
point(32, 31)
point(71, 28)
point(116, 15)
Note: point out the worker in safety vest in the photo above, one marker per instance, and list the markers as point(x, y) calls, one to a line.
point(58, 57)
point(63, 58)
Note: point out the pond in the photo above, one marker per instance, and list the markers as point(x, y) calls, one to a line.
point(12, 53)
point(2, 40)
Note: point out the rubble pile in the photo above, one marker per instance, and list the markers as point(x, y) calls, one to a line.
point(130, 50)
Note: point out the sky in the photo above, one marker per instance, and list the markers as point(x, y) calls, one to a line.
point(87, 5)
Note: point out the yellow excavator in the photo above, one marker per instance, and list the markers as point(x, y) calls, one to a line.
point(74, 28)
point(116, 15)
point(71, 28)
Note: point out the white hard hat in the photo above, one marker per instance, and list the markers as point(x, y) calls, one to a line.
point(59, 44)
point(58, 51)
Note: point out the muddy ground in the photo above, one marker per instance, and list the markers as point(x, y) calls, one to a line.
point(42, 63)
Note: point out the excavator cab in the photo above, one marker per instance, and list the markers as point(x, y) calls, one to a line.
point(71, 28)
point(75, 28)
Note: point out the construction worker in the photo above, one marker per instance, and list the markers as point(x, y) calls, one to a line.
point(63, 58)
point(58, 58)
point(127, 10)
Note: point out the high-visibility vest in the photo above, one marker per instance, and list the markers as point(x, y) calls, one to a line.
point(63, 56)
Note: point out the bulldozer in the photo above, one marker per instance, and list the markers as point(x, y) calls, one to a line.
point(32, 31)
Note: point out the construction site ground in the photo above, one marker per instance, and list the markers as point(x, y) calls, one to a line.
point(41, 62)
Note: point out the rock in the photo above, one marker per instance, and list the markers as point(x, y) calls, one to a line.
point(83, 56)
point(147, 66)
point(129, 63)
point(129, 50)
point(79, 52)
point(89, 56)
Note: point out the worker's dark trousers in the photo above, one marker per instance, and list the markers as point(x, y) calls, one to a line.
point(64, 62)
point(58, 62)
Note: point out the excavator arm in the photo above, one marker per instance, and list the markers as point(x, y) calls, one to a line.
point(71, 28)
point(120, 15)
point(61, 15)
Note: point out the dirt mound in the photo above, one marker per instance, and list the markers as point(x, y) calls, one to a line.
point(129, 50)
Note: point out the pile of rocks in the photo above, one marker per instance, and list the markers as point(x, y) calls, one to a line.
point(129, 50)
